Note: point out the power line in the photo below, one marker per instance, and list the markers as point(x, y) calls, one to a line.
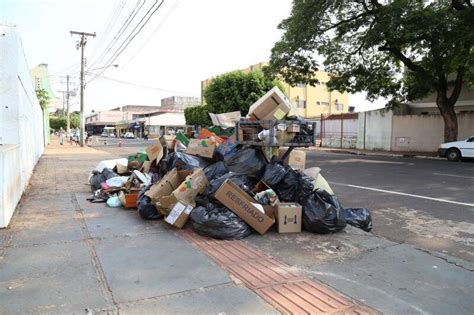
point(165, 18)
point(113, 16)
point(120, 50)
point(119, 33)
point(141, 86)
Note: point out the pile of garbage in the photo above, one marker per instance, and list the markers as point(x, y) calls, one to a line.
point(223, 189)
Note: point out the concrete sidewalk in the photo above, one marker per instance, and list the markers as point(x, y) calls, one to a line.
point(62, 254)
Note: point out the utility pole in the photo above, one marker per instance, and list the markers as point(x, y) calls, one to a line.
point(82, 44)
point(68, 126)
point(68, 93)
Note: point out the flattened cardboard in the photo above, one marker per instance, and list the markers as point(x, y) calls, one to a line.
point(225, 120)
point(201, 147)
point(240, 203)
point(288, 215)
point(297, 159)
point(155, 152)
point(274, 105)
point(179, 215)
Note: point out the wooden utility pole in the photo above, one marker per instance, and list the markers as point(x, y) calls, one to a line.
point(82, 44)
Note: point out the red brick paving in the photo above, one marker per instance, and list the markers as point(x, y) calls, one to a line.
point(287, 291)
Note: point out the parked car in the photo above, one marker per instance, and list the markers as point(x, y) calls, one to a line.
point(104, 134)
point(454, 151)
point(129, 135)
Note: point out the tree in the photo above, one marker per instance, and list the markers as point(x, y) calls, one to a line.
point(43, 97)
point(198, 115)
point(401, 49)
point(56, 122)
point(236, 91)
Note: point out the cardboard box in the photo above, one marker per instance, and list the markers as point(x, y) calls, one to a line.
point(242, 204)
point(155, 152)
point(179, 215)
point(183, 189)
point(297, 159)
point(293, 128)
point(146, 167)
point(274, 105)
point(201, 147)
point(169, 140)
point(167, 184)
point(289, 215)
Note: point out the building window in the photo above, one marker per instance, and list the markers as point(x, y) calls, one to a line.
point(318, 103)
point(301, 104)
point(325, 103)
point(339, 107)
point(300, 85)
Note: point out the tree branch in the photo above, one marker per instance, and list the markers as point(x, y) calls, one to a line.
point(457, 85)
point(406, 61)
point(345, 21)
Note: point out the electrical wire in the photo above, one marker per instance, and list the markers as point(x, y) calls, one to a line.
point(119, 33)
point(141, 86)
point(159, 26)
point(113, 16)
point(121, 49)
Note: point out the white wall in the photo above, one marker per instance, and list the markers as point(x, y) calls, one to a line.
point(378, 130)
point(21, 123)
point(424, 133)
point(332, 133)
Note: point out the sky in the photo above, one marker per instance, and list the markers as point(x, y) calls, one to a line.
point(184, 42)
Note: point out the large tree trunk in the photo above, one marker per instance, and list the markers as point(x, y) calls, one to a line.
point(446, 109)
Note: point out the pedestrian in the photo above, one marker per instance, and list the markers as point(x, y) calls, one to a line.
point(62, 134)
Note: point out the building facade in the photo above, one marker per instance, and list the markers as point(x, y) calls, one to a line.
point(41, 80)
point(180, 102)
point(308, 101)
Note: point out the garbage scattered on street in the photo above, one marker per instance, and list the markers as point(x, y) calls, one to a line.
point(239, 176)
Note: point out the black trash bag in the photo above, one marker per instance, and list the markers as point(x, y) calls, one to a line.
point(249, 161)
point(203, 200)
point(218, 222)
point(358, 217)
point(274, 173)
point(294, 187)
point(246, 183)
point(181, 161)
point(322, 213)
point(146, 208)
point(215, 170)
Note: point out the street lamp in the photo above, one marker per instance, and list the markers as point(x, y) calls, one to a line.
point(114, 65)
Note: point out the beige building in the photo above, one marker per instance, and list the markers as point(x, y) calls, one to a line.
point(308, 101)
point(41, 80)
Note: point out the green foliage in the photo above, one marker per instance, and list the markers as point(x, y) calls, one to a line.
point(198, 115)
point(43, 98)
point(56, 122)
point(236, 91)
point(367, 46)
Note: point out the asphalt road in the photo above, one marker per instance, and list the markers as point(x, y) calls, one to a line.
point(428, 203)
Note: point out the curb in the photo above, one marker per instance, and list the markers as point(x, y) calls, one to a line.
point(397, 155)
